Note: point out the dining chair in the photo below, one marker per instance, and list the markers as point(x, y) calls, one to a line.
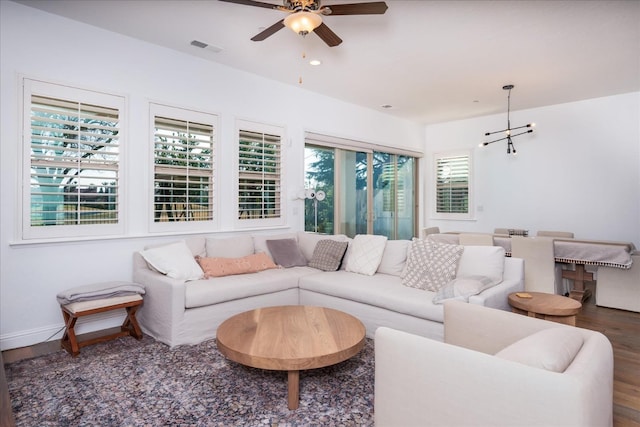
point(567, 284)
point(475, 239)
point(430, 230)
point(540, 271)
point(564, 234)
point(504, 231)
point(618, 288)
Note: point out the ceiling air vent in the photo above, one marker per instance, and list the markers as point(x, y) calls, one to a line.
point(202, 45)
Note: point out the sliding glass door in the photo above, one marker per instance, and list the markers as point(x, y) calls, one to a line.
point(393, 195)
point(353, 200)
point(319, 165)
point(367, 192)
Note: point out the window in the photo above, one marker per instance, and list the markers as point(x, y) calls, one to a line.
point(183, 177)
point(72, 145)
point(259, 174)
point(369, 188)
point(453, 184)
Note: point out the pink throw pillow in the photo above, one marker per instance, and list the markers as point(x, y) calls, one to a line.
point(219, 267)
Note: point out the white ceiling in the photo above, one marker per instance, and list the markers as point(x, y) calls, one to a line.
point(432, 61)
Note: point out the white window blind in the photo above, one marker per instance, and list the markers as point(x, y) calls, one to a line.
point(259, 175)
point(452, 184)
point(73, 148)
point(183, 171)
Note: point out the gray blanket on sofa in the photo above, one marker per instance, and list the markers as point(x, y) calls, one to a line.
point(99, 291)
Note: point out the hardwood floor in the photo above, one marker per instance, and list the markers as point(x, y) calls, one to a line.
point(623, 330)
point(621, 327)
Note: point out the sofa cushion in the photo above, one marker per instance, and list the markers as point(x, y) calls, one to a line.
point(552, 349)
point(380, 290)
point(220, 267)
point(307, 241)
point(365, 253)
point(345, 259)
point(430, 265)
point(285, 253)
point(202, 293)
point(232, 247)
point(328, 255)
point(461, 288)
point(260, 241)
point(394, 257)
point(482, 261)
point(175, 260)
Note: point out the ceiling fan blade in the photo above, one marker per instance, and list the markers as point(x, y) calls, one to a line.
point(328, 36)
point(372, 8)
point(253, 3)
point(269, 31)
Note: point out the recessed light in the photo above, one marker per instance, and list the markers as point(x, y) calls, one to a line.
point(315, 62)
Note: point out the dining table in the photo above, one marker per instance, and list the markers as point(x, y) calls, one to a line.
point(576, 252)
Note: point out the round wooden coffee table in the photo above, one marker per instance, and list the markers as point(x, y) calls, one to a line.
point(290, 338)
point(546, 306)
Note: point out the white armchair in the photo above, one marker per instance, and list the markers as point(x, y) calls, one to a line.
point(463, 382)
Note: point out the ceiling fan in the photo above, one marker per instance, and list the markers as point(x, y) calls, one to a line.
point(305, 16)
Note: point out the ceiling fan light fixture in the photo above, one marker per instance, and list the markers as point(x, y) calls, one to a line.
point(303, 22)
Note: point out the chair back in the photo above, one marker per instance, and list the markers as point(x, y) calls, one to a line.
point(429, 230)
point(564, 234)
point(475, 239)
point(504, 231)
point(539, 262)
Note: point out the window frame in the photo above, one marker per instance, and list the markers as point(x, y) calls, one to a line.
point(34, 87)
point(437, 157)
point(265, 129)
point(188, 115)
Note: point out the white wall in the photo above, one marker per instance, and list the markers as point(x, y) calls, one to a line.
point(40, 45)
point(579, 171)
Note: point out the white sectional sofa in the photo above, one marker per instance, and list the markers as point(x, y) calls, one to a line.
point(178, 311)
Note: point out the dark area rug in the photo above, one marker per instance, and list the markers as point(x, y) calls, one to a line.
point(126, 382)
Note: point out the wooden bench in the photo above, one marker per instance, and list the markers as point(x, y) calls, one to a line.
point(73, 311)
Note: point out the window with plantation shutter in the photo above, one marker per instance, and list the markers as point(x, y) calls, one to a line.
point(453, 178)
point(72, 146)
point(259, 174)
point(183, 180)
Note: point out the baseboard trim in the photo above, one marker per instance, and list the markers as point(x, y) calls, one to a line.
point(34, 336)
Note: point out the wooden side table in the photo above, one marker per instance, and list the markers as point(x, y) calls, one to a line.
point(555, 308)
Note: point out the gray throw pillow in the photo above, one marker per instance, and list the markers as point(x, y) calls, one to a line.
point(328, 254)
point(286, 253)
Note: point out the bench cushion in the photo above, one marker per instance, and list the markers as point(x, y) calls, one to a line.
point(77, 307)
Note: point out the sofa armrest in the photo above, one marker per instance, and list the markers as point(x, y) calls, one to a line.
point(497, 296)
point(164, 303)
point(423, 382)
point(486, 329)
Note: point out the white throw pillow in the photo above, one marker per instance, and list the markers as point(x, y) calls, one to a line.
point(232, 247)
point(430, 265)
point(175, 260)
point(485, 261)
point(461, 288)
point(552, 349)
point(394, 257)
point(365, 253)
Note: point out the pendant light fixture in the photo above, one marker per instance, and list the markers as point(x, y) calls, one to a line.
point(511, 149)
